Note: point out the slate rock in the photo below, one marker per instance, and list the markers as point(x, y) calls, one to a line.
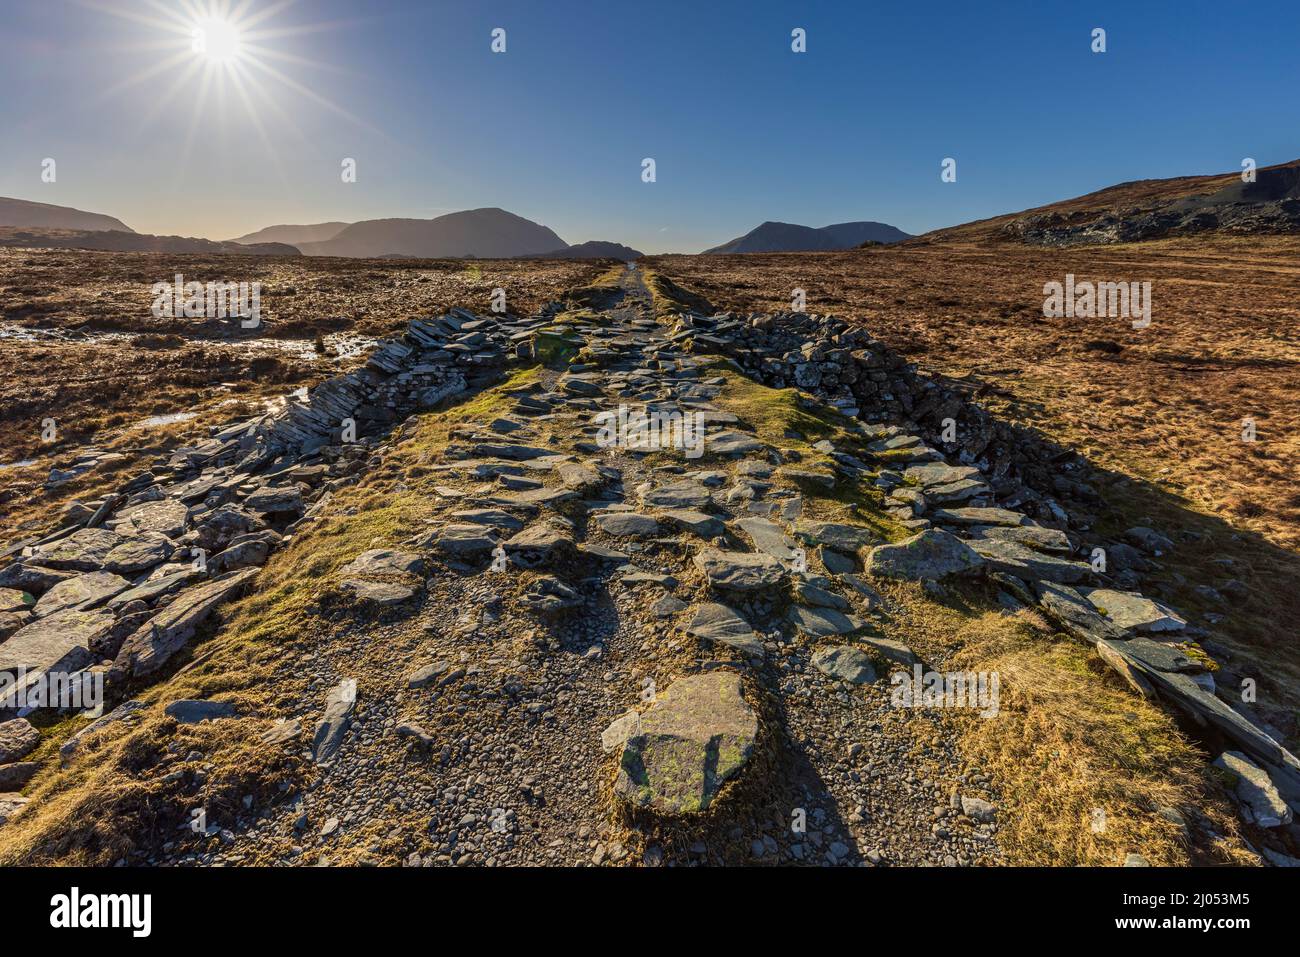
point(85, 591)
point(717, 622)
point(1015, 559)
point(697, 735)
point(823, 622)
point(627, 524)
point(17, 740)
point(334, 722)
point(1132, 612)
point(1255, 790)
point(739, 571)
point(192, 711)
point(930, 555)
point(845, 664)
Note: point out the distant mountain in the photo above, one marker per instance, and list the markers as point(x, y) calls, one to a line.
point(1149, 209)
point(482, 233)
point(128, 242)
point(594, 249)
point(294, 235)
point(22, 212)
point(788, 238)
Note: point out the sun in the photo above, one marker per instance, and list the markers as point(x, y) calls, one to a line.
point(218, 40)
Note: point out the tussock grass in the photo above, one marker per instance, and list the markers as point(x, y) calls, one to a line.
point(1069, 739)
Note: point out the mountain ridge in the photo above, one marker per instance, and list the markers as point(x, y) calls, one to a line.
point(483, 233)
point(26, 213)
point(774, 237)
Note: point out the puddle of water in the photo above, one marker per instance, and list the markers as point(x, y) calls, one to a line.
point(340, 345)
point(17, 465)
point(156, 420)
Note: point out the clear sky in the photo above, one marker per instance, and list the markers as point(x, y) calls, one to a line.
point(742, 129)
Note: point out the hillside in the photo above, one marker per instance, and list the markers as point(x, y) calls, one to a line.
point(594, 249)
point(129, 242)
point(488, 233)
point(771, 237)
point(1149, 209)
point(24, 213)
point(294, 235)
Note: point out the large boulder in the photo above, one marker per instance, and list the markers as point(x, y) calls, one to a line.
point(696, 736)
point(929, 555)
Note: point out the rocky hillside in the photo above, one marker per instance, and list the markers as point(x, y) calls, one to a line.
point(631, 584)
point(1151, 209)
point(293, 235)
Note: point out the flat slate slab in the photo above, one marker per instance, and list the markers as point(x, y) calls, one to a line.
point(845, 664)
point(1031, 536)
point(1016, 559)
point(271, 500)
point(1133, 612)
point(931, 554)
point(138, 553)
point(154, 643)
point(768, 537)
point(461, 541)
point(166, 517)
point(978, 516)
point(716, 622)
point(835, 535)
point(676, 495)
point(494, 517)
point(696, 736)
point(823, 622)
point(627, 524)
point(732, 443)
point(697, 523)
point(513, 453)
point(937, 474)
point(739, 571)
point(85, 550)
point(85, 591)
point(384, 561)
point(57, 643)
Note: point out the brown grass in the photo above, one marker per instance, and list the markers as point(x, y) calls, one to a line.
point(1161, 418)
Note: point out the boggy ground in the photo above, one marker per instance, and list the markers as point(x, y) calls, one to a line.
point(494, 753)
point(1158, 410)
point(79, 345)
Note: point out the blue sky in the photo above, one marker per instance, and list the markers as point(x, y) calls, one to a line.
point(741, 128)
